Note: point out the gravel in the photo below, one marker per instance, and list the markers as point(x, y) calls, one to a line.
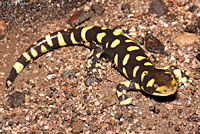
point(45, 99)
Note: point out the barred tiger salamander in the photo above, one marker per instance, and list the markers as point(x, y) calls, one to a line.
point(128, 57)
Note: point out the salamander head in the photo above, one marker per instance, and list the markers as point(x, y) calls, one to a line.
point(161, 83)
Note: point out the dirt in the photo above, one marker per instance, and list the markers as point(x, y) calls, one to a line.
point(51, 103)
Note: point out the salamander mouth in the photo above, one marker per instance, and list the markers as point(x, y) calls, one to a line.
point(166, 93)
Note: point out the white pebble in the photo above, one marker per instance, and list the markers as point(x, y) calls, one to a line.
point(173, 58)
point(51, 76)
point(1, 109)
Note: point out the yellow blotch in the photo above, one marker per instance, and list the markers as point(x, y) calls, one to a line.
point(107, 44)
point(87, 44)
point(72, 37)
point(119, 93)
point(135, 71)
point(98, 55)
point(34, 52)
point(150, 83)
point(65, 29)
point(35, 43)
point(124, 91)
point(91, 53)
point(126, 83)
point(100, 36)
point(139, 58)
point(103, 28)
point(137, 86)
point(48, 39)
point(167, 72)
point(115, 43)
point(61, 40)
point(125, 60)
point(18, 67)
point(83, 33)
point(43, 49)
point(177, 73)
point(165, 68)
point(8, 83)
point(116, 59)
point(116, 33)
point(124, 71)
point(126, 102)
point(133, 48)
point(148, 64)
point(27, 56)
point(143, 75)
point(128, 40)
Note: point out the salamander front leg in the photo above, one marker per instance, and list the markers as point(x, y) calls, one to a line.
point(92, 64)
point(180, 75)
point(122, 88)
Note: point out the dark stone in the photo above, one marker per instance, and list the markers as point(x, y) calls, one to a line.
point(192, 8)
point(191, 29)
point(154, 45)
point(98, 9)
point(139, 40)
point(158, 7)
point(68, 74)
point(118, 116)
point(89, 81)
point(78, 18)
point(125, 8)
point(198, 56)
point(170, 124)
point(152, 108)
point(171, 17)
point(16, 99)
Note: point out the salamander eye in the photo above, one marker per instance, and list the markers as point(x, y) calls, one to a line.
point(165, 90)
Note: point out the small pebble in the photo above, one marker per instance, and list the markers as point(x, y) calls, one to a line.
point(98, 9)
point(93, 128)
point(198, 56)
point(118, 116)
point(170, 124)
point(180, 111)
point(139, 40)
point(125, 8)
point(171, 17)
point(177, 129)
point(77, 127)
point(68, 74)
point(2, 25)
point(50, 76)
point(180, 2)
point(2, 28)
point(89, 81)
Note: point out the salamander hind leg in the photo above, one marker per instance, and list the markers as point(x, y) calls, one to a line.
point(122, 89)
